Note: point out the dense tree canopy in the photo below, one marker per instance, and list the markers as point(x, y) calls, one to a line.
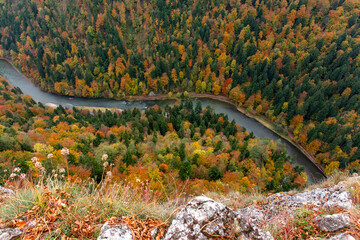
point(182, 145)
point(296, 62)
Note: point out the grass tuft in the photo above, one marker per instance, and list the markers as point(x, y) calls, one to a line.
point(63, 208)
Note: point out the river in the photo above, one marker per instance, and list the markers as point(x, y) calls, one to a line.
point(27, 87)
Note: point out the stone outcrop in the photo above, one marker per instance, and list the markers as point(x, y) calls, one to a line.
point(115, 232)
point(342, 236)
point(332, 223)
point(14, 233)
point(9, 233)
point(249, 220)
point(320, 198)
point(200, 219)
point(203, 218)
point(6, 191)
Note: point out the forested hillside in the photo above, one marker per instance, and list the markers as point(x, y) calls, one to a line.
point(180, 147)
point(296, 62)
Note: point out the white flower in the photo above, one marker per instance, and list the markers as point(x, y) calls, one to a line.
point(109, 174)
point(104, 157)
point(65, 152)
point(106, 164)
point(13, 175)
point(53, 171)
point(61, 170)
point(23, 176)
point(137, 180)
point(34, 159)
point(55, 176)
point(50, 155)
point(38, 165)
point(5, 170)
point(17, 169)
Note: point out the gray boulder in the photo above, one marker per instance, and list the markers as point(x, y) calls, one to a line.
point(332, 223)
point(242, 237)
point(341, 199)
point(203, 218)
point(252, 214)
point(115, 232)
point(342, 236)
point(6, 191)
point(248, 223)
point(9, 233)
point(327, 198)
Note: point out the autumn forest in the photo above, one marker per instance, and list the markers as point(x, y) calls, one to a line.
point(296, 63)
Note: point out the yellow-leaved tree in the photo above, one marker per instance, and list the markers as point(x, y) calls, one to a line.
point(43, 148)
point(332, 167)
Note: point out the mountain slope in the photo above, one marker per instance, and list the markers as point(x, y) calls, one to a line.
point(297, 62)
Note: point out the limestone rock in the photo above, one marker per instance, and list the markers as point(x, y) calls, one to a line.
point(253, 232)
point(327, 198)
point(332, 223)
point(201, 218)
point(115, 232)
point(9, 233)
point(248, 223)
point(6, 191)
point(252, 214)
point(242, 237)
point(154, 232)
point(341, 199)
point(342, 236)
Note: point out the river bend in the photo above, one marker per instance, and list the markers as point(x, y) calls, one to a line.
point(27, 87)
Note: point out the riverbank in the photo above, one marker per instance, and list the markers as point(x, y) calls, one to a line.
point(102, 109)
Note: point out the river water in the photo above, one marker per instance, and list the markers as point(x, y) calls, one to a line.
point(18, 80)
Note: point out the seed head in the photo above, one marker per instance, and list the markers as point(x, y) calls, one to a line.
point(65, 152)
point(34, 159)
point(104, 157)
point(38, 165)
point(13, 175)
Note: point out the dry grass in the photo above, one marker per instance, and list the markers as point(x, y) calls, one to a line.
point(77, 209)
point(331, 180)
point(237, 200)
point(304, 226)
